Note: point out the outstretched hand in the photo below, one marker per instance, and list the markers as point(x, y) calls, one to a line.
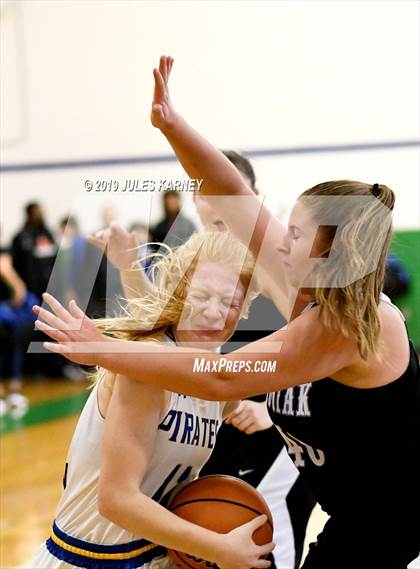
point(163, 114)
point(242, 551)
point(119, 245)
point(77, 337)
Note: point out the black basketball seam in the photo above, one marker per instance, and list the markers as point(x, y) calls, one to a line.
point(221, 500)
point(182, 559)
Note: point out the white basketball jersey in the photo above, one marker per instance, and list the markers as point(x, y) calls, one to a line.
point(185, 439)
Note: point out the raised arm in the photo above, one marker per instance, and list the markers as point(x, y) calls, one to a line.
point(223, 186)
point(199, 158)
point(132, 421)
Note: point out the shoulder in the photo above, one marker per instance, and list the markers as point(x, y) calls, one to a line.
point(314, 350)
point(308, 327)
point(137, 396)
point(390, 314)
point(394, 337)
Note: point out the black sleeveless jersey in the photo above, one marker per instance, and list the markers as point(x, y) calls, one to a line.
point(358, 449)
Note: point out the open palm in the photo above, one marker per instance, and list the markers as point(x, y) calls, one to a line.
point(162, 111)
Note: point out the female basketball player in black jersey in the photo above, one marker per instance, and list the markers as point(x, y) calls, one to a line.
point(346, 390)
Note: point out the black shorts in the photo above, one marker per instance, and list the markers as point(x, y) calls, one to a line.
point(361, 545)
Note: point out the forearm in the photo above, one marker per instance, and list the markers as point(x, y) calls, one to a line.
point(174, 370)
point(135, 283)
point(9, 274)
point(201, 160)
point(143, 516)
point(162, 366)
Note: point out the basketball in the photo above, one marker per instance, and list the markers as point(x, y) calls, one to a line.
point(219, 503)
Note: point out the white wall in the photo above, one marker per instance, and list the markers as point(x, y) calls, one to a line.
point(77, 84)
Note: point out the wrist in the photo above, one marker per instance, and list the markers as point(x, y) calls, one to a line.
point(222, 552)
point(104, 356)
point(172, 124)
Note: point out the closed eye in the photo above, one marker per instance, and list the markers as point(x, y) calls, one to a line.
point(294, 233)
point(199, 298)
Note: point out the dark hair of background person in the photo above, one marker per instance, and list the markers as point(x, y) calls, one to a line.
point(29, 208)
point(243, 165)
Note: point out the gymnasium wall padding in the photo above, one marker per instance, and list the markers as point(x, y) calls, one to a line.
point(406, 245)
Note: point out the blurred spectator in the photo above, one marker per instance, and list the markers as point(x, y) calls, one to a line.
point(33, 251)
point(69, 262)
point(16, 323)
point(143, 237)
point(104, 298)
point(174, 223)
point(397, 278)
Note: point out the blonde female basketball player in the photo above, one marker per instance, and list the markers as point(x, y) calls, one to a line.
point(111, 514)
point(346, 390)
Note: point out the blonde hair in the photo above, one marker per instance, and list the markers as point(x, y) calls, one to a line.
point(152, 315)
point(356, 247)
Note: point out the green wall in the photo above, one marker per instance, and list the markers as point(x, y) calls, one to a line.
point(406, 245)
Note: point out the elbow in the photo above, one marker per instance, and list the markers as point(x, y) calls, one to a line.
point(107, 504)
point(111, 503)
point(220, 388)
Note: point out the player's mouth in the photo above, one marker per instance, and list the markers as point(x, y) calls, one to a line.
point(208, 332)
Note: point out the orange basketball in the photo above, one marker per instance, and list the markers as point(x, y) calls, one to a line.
point(219, 503)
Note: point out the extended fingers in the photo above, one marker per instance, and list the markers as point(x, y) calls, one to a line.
point(257, 522)
point(159, 78)
point(159, 84)
point(50, 318)
point(171, 62)
point(51, 332)
point(57, 348)
point(56, 307)
point(267, 548)
point(262, 563)
point(162, 63)
point(165, 66)
point(96, 241)
point(76, 311)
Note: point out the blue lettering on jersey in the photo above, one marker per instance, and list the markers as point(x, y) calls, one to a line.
point(167, 423)
point(186, 428)
point(164, 492)
point(189, 421)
